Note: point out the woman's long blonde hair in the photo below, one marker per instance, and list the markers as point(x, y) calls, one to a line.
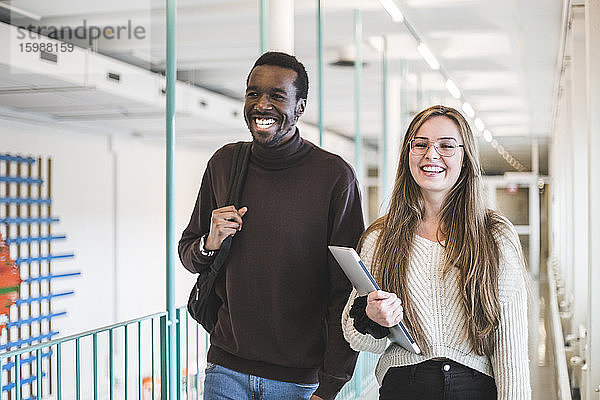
point(468, 228)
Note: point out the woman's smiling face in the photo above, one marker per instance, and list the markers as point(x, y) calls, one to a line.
point(436, 174)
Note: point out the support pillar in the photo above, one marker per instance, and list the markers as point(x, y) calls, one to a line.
point(264, 34)
point(393, 138)
point(534, 214)
point(281, 25)
point(358, 163)
point(171, 75)
point(320, 67)
point(579, 135)
point(386, 168)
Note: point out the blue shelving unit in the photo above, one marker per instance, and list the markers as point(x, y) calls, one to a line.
point(27, 224)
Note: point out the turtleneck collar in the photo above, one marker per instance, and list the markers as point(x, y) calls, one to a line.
point(281, 156)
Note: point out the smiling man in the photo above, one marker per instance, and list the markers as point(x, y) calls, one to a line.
point(278, 334)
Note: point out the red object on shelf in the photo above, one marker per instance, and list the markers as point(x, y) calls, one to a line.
point(10, 279)
point(512, 188)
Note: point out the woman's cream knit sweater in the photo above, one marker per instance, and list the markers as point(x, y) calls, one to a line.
point(438, 304)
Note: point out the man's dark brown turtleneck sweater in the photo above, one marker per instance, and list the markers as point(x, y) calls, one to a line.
point(282, 292)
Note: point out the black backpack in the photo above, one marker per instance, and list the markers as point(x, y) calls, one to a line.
point(203, 304)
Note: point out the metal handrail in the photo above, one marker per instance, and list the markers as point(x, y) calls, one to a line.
point(81, 335)
point(562, 373)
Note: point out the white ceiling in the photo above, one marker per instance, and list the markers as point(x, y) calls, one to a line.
point(502, 54)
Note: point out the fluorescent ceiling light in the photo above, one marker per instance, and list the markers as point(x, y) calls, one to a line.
point(453, 89)
point(468, 110)
point(428, 56)
point(479, 124)
point(15, 10)
point(487, 135)
point(392, 9)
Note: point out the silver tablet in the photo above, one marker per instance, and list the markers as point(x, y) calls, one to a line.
point(363, 282)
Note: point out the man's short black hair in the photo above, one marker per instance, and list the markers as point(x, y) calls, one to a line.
point(285, 60)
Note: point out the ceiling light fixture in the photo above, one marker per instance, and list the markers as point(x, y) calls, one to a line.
point(392, 9)
point(453, 89)
point(428, 56)
point(479, 124)
point(468, 110)
point(487, 135)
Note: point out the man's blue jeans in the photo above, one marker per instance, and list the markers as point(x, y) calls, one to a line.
point(221, 383)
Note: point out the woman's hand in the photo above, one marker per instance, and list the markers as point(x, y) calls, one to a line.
point(384, 308)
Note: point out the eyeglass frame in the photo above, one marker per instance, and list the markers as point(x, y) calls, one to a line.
point(433, 143)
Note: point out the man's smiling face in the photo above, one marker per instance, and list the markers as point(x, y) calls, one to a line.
point(271, 108)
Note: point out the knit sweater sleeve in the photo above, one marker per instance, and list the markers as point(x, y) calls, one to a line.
point(357, 340)
point(510, 360)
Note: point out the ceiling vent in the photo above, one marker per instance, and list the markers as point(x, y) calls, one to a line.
point(51, 57)
point(113, 76)
point(346, 58)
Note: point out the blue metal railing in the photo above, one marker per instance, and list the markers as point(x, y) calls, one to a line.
point(19, 179)
point(29, 360)
point(50, 257)
point(8, 157)
point(28, 341)
point(25, 381)
point(37, 239)
point(49, 277)
point(24, 200)
point(47, 297)
point(28, 220)
point(31, 320)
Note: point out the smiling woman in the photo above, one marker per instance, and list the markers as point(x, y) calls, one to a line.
point(451, 269)
point(434, 161)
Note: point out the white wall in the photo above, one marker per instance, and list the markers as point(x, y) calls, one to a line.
point(140, 210)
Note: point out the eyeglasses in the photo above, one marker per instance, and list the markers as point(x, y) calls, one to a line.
point(444, 147)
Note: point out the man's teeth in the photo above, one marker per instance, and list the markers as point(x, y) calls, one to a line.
point(432, 169)
point(264, 123)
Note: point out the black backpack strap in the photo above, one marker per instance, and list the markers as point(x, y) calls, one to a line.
point(239, 169)
point(237, 178)
point(244, 161)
